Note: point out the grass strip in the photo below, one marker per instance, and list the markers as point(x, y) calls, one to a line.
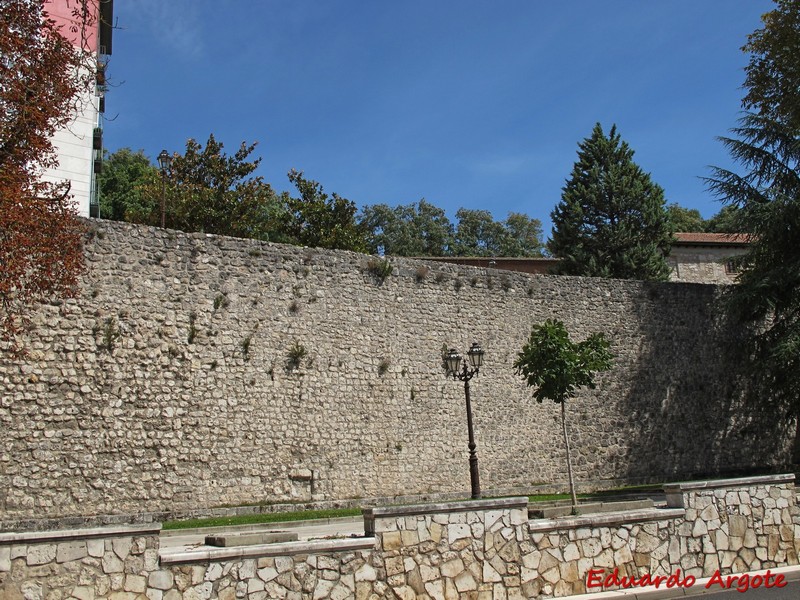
point(277, 517)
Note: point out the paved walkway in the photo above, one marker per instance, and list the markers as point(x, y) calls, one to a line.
point(191, 539)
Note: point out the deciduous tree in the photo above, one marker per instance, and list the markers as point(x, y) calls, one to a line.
point(556, 366)
point(316, 219)
point(207, 190)
point(121, 183)
point(43, 77)
point(684, 220)
point(417, 229)
point(611, 221)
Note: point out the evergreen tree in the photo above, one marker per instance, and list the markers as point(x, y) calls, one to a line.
point(611, 221)
point(765, 201)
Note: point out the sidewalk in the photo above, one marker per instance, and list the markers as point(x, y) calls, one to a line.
point(179, 540)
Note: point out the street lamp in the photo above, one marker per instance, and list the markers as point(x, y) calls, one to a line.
point(459, 369)
point(165, 162)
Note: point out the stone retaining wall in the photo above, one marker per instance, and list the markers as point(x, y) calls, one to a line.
point(200, 371)
point(484, 549)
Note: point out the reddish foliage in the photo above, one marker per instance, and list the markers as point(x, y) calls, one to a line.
point(42, 77)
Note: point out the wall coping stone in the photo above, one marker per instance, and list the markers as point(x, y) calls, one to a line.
point(167, 557)
point(684, 486)
point(445, 507)
point(675, 491)
point(408, 510)
point(35, 537)
point(600, 519)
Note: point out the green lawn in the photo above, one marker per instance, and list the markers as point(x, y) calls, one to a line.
point(306, 515)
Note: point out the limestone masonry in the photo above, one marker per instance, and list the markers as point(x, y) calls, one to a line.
point(198, 371)
point(477, 550)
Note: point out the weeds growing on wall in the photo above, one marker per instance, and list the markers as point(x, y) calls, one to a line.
point(111, 333)
point(295, 355)
point(193, 331)
point(379, 268)
point(221, 301)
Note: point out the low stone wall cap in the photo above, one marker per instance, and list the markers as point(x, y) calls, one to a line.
point(726, 483)
point(72, 534)
point(167, 557)
point(447, 507)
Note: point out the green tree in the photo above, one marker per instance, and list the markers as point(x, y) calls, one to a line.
point(316, 219)
point(556, 366)
point(523, 236)
point(611, 221)
point(209, 191)
point(418, 229)
point(685, 220)
point(766, 197)
point(477, 234)
point(773, 72)
point(727, 220)
point(124, 174)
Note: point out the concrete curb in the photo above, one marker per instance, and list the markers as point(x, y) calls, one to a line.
point(259, 526)
point(791, 573)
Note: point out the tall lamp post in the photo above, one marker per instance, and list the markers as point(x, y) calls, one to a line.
point(165, 162)
point(458, 368)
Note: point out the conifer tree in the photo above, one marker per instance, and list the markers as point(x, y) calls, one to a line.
point(764, 198)
point(611, 221)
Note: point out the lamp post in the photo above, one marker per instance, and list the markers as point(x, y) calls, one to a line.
point(165, 162)
point(459, 369)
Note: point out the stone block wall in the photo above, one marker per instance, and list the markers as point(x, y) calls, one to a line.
point(199, 371)
point(730, 526)
point(454, 550)
point(482, 549)
point(82, 564)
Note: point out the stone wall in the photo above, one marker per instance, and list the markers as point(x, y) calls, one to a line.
point(198, 371)
point(482, 549)
point(730, 526)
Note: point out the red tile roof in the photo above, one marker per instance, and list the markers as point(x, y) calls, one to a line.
point(716, 239)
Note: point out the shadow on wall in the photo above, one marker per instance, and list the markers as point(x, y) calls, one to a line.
point(698, 419)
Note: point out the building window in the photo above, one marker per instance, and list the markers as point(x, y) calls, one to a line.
point(731, 266)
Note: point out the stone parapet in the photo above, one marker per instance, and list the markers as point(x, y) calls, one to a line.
point(481, 549)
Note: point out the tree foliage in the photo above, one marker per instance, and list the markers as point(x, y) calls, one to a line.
point(423, 229)
point(766, 201)
point(556, 366)
point(611, 221)
point(417, 229)
point(121, 183)
point(685, 219)
point(207, 190)
point(773, 72)
point(43, 78)
point(316, 219)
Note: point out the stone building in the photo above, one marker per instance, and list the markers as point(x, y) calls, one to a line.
point(695, 258)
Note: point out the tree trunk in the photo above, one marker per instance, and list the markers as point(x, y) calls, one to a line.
point(569, 458)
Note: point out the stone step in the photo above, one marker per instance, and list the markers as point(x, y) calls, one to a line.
point(250, 539)
point(536, 511)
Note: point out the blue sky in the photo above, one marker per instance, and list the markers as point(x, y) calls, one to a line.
point(471, 103)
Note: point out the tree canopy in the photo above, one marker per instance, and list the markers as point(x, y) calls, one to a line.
point(121, 182)
point(556, 366)
point(611, 220)
point(765, 199)
point(210, 191)
point(43, 80)
point(422, 229)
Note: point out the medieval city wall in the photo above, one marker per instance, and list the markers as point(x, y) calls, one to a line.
point(199, 371)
